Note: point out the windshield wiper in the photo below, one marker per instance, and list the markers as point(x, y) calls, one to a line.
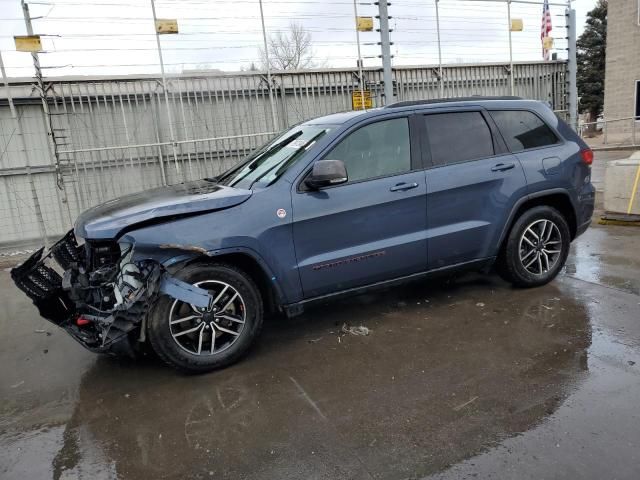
point(251, 158)
point(260, 157)
point(286, 162)
point(283, 168)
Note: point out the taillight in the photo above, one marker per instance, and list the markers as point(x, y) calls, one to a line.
point(587, 156)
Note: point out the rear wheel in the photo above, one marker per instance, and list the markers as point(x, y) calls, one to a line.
point(536, 248)
point(198, 340)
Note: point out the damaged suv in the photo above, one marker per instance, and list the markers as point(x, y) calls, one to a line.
point(332, 206)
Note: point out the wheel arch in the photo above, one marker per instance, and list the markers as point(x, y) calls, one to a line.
point(558, 199)
point(252, 265)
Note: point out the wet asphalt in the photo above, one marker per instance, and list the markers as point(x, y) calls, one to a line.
point(459, 378)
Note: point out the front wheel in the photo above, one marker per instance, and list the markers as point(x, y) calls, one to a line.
point(536, 248)
point(198, 340)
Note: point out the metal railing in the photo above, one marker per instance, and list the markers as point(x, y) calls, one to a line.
point(623, 131)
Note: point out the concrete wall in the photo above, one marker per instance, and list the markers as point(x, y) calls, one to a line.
point(622, 67)
point(618, 185)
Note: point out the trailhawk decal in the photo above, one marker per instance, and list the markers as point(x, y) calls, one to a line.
point(322, 266)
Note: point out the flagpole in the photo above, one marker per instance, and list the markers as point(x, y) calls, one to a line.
point(546, 28)
point(513, 89)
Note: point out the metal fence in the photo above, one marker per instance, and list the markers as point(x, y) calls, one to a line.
point(611, 132)
point(112, 136)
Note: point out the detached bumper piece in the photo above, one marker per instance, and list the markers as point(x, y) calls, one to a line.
point(43, 284)
point(98, 306)
point(101, 300)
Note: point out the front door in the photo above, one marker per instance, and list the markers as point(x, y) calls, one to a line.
point(472, 185)
point(371, 228)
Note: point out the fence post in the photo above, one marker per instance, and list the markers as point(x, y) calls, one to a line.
point(511, 72)
point(266, 58)
point(47, 117)
point(439, 50)
point(23, 145)
point(156, 128)
point(174, 146)
point(283, 103)
point(385, 46)
point(572, 69)
point(360, 77)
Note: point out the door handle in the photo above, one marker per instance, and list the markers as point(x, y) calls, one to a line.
point(401, 187)
point(501, 167)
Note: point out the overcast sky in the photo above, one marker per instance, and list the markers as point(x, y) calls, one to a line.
point(101, 37)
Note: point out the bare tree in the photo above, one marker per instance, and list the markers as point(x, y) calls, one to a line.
point(289, 51)
point(252, 67)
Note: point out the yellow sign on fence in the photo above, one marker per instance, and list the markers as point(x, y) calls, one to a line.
point(364, 24)
point(361, 99)
point(517, 25)
point(166, 26)
point(547, 43)
point(28, 43)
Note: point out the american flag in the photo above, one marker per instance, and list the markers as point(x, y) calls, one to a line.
point(545, 28)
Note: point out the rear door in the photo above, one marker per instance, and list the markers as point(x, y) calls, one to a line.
point(371, 228)
point(537, 146)
point(472, 185)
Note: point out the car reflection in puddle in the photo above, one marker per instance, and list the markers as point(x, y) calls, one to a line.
point(446, 372)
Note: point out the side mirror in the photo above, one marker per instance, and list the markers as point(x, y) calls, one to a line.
point(326, 173)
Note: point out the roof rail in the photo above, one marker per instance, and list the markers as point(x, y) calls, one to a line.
point(410, 103)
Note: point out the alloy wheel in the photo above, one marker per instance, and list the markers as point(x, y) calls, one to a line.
point(540, 247)
point(209, 331)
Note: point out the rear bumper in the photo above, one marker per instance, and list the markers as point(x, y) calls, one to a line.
point(586, 206)
point(582, 228)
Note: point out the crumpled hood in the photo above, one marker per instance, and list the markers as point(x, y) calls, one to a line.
point(108, 219)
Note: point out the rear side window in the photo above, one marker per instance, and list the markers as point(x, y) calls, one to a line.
point(375, 150)
point(458, 137)
point(523, 130)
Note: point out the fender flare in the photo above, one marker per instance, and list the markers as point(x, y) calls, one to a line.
point(191, 254)
point(526, 198)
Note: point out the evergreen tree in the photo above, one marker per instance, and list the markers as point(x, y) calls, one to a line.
point(591, 62)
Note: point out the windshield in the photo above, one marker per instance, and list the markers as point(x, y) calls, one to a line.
point(266, 164)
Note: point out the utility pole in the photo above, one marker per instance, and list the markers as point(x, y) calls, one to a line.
point(23, 145)
point(174, 146)
point(360, 77)
point(46, 114)
point(266, 58)
point(572, 69)
point(385, 46)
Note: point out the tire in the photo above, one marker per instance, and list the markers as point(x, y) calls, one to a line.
point(186, 343)
point(527, 262)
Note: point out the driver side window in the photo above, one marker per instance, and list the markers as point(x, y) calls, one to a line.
point(375, 150)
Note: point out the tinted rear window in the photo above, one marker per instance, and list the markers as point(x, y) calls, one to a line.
point(523, 130)
point(457, 137)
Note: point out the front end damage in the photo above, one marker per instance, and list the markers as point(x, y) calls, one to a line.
point(98, 293)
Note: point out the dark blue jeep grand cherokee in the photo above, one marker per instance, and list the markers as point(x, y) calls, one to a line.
point(334, 205)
